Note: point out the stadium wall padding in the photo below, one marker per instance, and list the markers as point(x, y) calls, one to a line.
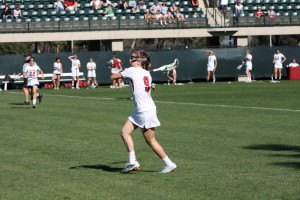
point(193, 63)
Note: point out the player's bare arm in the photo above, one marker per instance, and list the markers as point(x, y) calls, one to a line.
point(70, 57)
point(284, 58)
point(116, 76)
point(216, 64)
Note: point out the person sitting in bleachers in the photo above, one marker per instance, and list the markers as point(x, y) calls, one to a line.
point(239, 8)
point(179, 15)
point(59, 6)
point(223, 5)
point(123, 5)
point(70, 4)
point(132, 5)
point(96, 4)
point(142, 5)
point(109, 11)
point(293, 63)
point(166, 13)
point(6, 13)
point(194, 3)
point(173, 9)
point(160, 18)
point(271, 16)
point(147, 15)
point(18, 13)
point(259, 13)
point(155, 8)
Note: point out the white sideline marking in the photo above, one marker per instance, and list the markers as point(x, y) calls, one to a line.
point(170, 102)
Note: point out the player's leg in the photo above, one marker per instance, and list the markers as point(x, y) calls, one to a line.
point(126, 131)
point(95, 81)
point(208, 76)
point(34, 95)
point(214, 77)
point(77, 83)
point(73, 80)
point(149, 135)
point(26, 94)
point(275, 72)
point(53, 80)
point(174, 77)
point(279, 73)
point(58, 82)
point(89, 81)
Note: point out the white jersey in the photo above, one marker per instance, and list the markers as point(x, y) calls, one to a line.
point(293, 65)
point(25, 65)
point(75, 63)
point(248, 62)
point(211, 60)
point(140, 88)
point(91, 69)
point(31, 73)
point(278, 58)
point(57, 68)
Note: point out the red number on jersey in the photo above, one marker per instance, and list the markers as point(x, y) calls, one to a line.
point(32, 74)
point(146, 82)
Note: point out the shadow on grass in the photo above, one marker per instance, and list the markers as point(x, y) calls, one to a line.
point(278, 148)
point(17, 104)
point(21, 107)
point(105, 168)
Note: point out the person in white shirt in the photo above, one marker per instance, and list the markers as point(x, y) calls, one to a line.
point(211, 65)
point(75, 70)
point(223, 4)
point(91, 68)
point(57, 71)
point(279, 58)
point(144, 115)
point(17, 13)
point(59, 6)
point(96, 4)
point(32, 72)
point(248, 60)
point(160, 18)
point(238, 8)
point(293, 63)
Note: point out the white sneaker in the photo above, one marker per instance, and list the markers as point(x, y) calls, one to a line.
point(214, 81)
point(72, 88)
point(77, 88)
point(169, 168)
point(129, 167)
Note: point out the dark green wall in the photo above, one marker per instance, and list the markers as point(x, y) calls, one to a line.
point(192, 62)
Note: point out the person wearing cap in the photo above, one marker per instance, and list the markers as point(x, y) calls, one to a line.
point(155, 8)
point(75, 70)
point(238, 8)
point(6, 13)
point(109, 12)
point(259, 13)
point(271, 16)
point(18, 13)
point(142, 5)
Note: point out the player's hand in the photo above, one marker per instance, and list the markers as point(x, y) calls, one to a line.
point(43, 77)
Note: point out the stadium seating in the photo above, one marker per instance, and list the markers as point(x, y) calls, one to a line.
point(40, 12)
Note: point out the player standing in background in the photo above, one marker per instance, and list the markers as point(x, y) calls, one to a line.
point(144, 115)
point(57, 71)
point(248, 60)
point(91, 67)
point(25, 87)
point(279, 58)
point(75, 70)
point(116, 67)
point(32, 72)
point(211, 65)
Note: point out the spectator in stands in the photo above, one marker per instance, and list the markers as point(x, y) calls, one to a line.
point(109, 11)
point(223, 5)
point(142, 5)
point(160, 18)
point(195, 3)
point(123, 5)
point(58, 5)
point(179, 15)
point(70, 5)
point(147, 15)
point(239, 8)
point(173, 9)
point(132, 5)
point(293, 63)
point(271, 16)
point(6, 13)
point(155, 8)
point(18, 13)
point(96, 4)
point(166, 13)
point(259, 13)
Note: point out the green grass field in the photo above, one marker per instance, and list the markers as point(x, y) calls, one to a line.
point(230, 141)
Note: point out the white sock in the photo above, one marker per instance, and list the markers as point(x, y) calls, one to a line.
point(77, 85)
point(167, 161)
point(34, 101)
point(279, 78)
point(132, 158)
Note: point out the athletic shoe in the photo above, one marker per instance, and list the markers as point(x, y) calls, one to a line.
point(170, 168)
point(40, 97)
point(129, 167)
point(214, 81)
point(33, 105)
point(77, 88)
point(72, 88)
point(26, 103)
point(57, 88)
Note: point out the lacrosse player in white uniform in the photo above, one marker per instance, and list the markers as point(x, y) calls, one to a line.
point(248, 60)
point(75, 70)
point(279, 58)
point(173, 72)
point(144, 115)
point(57, 71)
point(32, 72)
point(91, 67)
point(211, 65)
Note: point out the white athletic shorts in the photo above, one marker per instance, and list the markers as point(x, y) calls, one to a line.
point(75, 72)
point(278, 65)
point(91, 73)
point(115, 71)
point(145, 119)
point(57, 72)
point(249, 65)
point(32, 82)
point(97, 3)
point(210, 68)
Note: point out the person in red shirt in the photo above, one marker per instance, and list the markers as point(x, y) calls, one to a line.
point(259, 13)
point(70, 5)
point(194, 3)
